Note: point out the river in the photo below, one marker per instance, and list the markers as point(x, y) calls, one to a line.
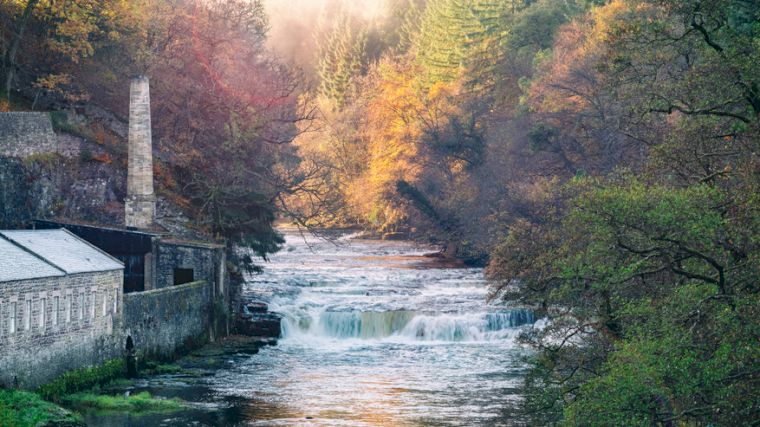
point(374, 334)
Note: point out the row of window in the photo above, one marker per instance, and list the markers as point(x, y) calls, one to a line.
point(61, 309)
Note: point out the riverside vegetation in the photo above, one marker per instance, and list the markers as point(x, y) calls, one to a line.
point(599, 156)
point(81, 390)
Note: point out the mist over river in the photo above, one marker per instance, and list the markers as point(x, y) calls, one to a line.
point(373, 334)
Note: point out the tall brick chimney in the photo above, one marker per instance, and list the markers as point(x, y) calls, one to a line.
point(140, 203)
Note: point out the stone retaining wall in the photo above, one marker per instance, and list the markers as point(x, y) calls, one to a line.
point(25, 133)
point(164, 321)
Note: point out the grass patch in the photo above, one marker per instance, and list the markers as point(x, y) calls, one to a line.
point(152, 368)
point(23, 408)
point(133, 403)
point(83, 379)
point(167, 369)
point(79, 390)
point(121, 382)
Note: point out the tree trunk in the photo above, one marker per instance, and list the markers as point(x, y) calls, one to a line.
point(10, 59)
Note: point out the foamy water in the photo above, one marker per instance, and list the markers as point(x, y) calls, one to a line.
point(371, 336)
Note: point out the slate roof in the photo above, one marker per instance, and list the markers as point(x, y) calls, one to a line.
point(28, 254)
point(18, 264)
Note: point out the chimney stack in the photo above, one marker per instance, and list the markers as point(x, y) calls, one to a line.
point(140, 203)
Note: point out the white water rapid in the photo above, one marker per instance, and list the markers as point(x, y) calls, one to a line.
point(373, 335)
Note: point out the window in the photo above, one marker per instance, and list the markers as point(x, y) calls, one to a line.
point(183, 275)
point(28, 315)
point(115, 301)
point(43, 312)
point(12, 322)
point(105, 303)
point(92, 305)
point(67, 304)
point(55, 310)
point(80, 309)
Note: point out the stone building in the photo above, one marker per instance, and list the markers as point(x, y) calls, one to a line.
point(73, 293)
point(154, 260)
point(152, 257)
point(60, 305)
point(63, 305)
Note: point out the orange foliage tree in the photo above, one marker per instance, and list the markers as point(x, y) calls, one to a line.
point(408, 132)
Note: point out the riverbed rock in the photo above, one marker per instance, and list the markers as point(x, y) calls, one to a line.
point(256, 307)
point(260, 325)
point(256, 320)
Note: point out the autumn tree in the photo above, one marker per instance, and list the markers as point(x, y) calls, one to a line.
point(644, 273)
point(52, 35)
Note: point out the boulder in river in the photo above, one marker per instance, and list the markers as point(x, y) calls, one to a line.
point(256, 320)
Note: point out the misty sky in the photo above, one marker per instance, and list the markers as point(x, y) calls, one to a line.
point(293, 22)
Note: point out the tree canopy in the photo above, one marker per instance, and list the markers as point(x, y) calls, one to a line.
point(601, 157)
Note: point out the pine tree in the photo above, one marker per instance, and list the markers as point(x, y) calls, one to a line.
point(342, 57)
point(464, 35)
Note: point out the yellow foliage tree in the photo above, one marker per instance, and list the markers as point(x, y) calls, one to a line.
point(405, 122)
point(70, 30)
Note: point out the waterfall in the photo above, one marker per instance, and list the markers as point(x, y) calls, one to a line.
point(466, 327)
point(374, 332)
point(363, 324)
point(406, 325)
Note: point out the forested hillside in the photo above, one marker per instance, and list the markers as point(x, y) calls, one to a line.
point(224, 108)
point(600, 156)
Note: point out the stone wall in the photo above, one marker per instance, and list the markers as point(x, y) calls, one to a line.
point(164, 321)
point(38, 343)
point(204, 260)
point(161, 322)
point(44, 174)
point(25, 133)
